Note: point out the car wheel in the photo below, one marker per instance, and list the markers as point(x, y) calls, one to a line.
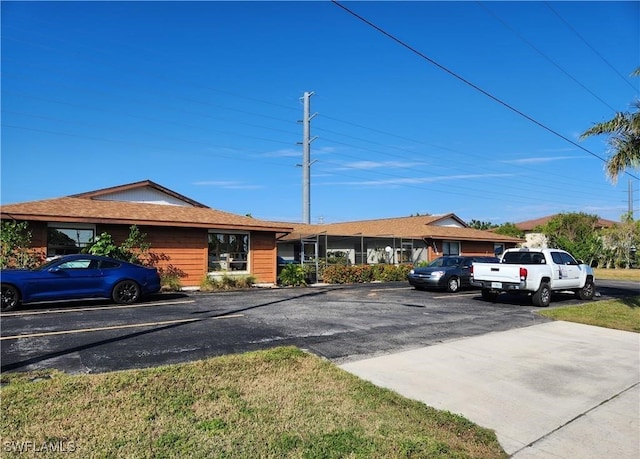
point(488, 295)
point(126, 292)
point(10, 297)
point(542, 297)
point(453, 285)
point(587, 292)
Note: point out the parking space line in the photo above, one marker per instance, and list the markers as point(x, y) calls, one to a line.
point(93, 308)
point(389, 289)
point(451, 295)
point(116, 327)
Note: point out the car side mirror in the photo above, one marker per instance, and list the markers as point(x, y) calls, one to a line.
point(55, 269)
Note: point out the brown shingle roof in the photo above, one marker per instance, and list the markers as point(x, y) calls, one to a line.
point(529, 225)
point(404, 227)
point(84, 209)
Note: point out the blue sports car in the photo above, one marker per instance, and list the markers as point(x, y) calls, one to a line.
point(76, 277)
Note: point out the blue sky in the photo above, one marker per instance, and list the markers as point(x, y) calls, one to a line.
point(204, 98)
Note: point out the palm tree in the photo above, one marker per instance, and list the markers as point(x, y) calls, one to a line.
point(624, 139)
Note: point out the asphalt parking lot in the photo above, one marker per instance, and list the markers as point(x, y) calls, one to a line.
point(340, 323)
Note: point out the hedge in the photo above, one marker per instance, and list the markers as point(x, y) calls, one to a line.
point(340, 274)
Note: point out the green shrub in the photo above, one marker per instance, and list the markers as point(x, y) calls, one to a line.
point(246, 281)
point(209, 284)
point(226, 282)
point(170, 278)
point(15, 243)
point(293, 275)
point(134, 249)
point(391, 273)
point(339, 274)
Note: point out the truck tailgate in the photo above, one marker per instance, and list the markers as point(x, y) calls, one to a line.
point(496, 272)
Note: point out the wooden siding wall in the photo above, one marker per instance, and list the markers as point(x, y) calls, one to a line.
point(471, 248)
point(182, 248)
point(263, 257)
point(39, 237)
point(480, 248)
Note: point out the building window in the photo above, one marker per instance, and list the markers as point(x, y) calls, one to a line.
point(450, 248)
point(65, 240)
point(228, 251)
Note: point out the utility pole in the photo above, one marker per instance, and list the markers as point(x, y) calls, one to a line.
point(630, 200)
point(306, 158)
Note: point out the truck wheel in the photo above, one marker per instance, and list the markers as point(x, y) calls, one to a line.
point(587, 292)
point(542, 297)
point(488, 295)
point(453, 285)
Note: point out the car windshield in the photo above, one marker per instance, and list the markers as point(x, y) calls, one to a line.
point(443, 262)
point(47, 264)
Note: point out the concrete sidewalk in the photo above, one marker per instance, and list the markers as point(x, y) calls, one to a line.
point(554, 390)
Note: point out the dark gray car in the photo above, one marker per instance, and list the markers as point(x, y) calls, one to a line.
point(448, 272)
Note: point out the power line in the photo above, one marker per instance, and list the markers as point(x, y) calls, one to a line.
point(468, 83)
point(141, 101)
point(536, 49)
point(147, 72)
point(548, 5)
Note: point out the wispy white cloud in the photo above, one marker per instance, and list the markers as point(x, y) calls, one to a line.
point(283, 153)
point(296, 152)
point(558, 150)
point(394, 182)
point(228, 185)
point(368, 165)
point(538, 159)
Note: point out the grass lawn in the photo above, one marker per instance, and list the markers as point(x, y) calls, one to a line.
point(277, 403)
point(617, 274)
point(622, 314)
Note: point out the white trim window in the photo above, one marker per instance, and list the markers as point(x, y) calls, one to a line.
point(68, 238)
point(228, 251)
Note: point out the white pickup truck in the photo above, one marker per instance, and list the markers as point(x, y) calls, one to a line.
point(537, 272)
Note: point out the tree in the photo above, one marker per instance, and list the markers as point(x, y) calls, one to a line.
point(509, 229)
point(575, 232)
point(624, 139)
point(15, 246)
point(476, 224)
point(134, 249)
point(620, 243)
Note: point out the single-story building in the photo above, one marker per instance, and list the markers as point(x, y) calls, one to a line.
point(190, 236)
point(535, 239)
point(391, 240)
point(529, 226)
point(201, 241)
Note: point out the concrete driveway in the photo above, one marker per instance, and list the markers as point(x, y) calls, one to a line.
point(553, 390)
